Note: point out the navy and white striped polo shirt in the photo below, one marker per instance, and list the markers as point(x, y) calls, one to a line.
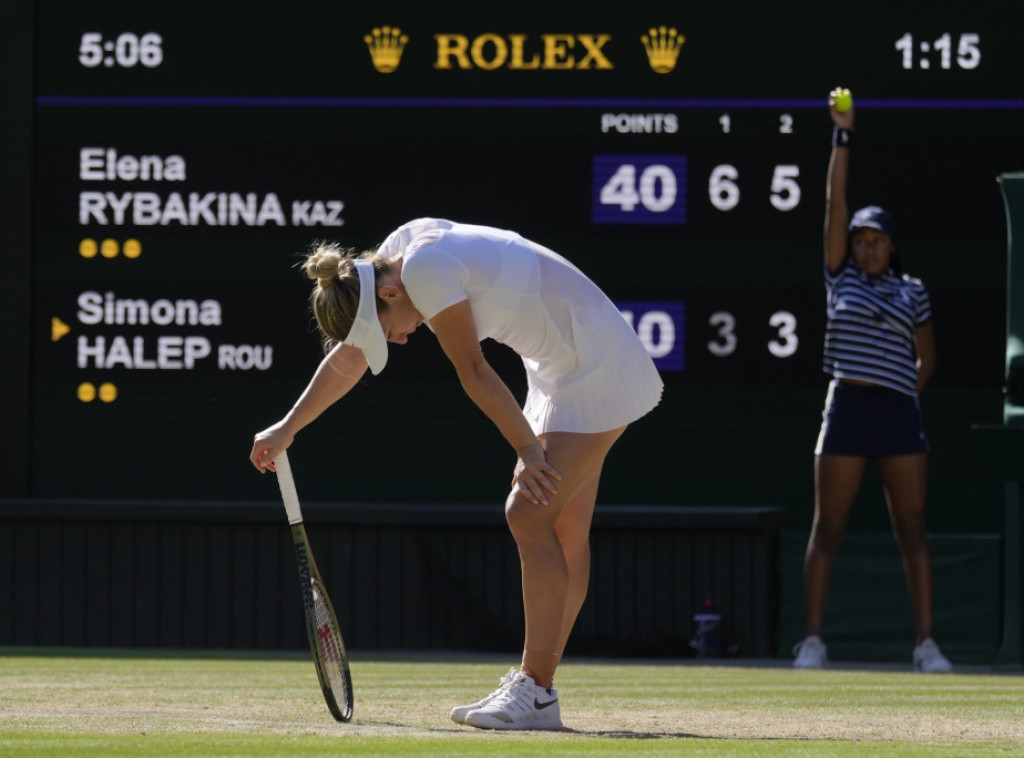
point(870, 330)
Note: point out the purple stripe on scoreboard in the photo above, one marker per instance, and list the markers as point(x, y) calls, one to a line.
point(639, 189)
point(684, 103)
point(661, 327)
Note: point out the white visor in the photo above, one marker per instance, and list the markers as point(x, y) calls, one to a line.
point(366, 332)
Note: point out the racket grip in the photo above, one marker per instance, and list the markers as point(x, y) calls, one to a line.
point(286, 482)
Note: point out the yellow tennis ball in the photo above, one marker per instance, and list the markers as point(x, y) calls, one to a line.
point(841, 99)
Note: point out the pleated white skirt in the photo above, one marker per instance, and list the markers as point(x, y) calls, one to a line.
point(603, 377)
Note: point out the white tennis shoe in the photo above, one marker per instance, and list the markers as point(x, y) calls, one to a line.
point(810, 654)
point(928, 659)
point(521, 705)
point(459, 712)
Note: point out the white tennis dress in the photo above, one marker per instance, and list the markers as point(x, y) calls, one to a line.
point(587, 371)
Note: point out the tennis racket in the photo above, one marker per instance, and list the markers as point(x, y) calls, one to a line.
point(325, 642)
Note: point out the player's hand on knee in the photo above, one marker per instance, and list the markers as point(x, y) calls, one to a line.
point(535, 478)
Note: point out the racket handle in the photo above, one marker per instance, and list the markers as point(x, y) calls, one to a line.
point(286, 482)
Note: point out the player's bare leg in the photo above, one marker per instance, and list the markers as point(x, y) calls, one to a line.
point(573, 530)
point(837, 478)
point(554, 552)
point(549, 597)
point(905, 480)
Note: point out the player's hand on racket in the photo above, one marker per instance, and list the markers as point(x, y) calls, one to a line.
point(534, 477)
point(268, 444)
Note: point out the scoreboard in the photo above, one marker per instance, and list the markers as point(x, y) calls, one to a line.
point(181, 156)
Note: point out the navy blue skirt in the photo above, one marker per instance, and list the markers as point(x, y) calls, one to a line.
point(870, 422)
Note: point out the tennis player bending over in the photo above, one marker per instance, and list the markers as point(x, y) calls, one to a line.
point(588, 377)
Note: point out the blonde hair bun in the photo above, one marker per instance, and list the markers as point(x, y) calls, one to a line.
point(325, 263)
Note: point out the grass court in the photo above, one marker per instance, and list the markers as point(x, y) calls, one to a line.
point(74, 703)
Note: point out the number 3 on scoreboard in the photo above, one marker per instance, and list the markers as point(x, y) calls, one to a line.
point(784, 345)
point(639, 189)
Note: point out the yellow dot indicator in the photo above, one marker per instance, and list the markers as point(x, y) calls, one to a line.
point(86, 392)
point(132, 248)
point(109, 248)
point(87, 248)
point(108, 392)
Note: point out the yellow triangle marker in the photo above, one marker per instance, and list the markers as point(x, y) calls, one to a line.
point(58, 329)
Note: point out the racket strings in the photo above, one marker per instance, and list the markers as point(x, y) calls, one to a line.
point(329, 642)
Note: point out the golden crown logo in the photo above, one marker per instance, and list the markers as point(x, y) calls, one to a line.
point(662, 46)
point(386, 44)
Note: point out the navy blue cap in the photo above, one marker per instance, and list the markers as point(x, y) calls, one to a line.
point(872, 217)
